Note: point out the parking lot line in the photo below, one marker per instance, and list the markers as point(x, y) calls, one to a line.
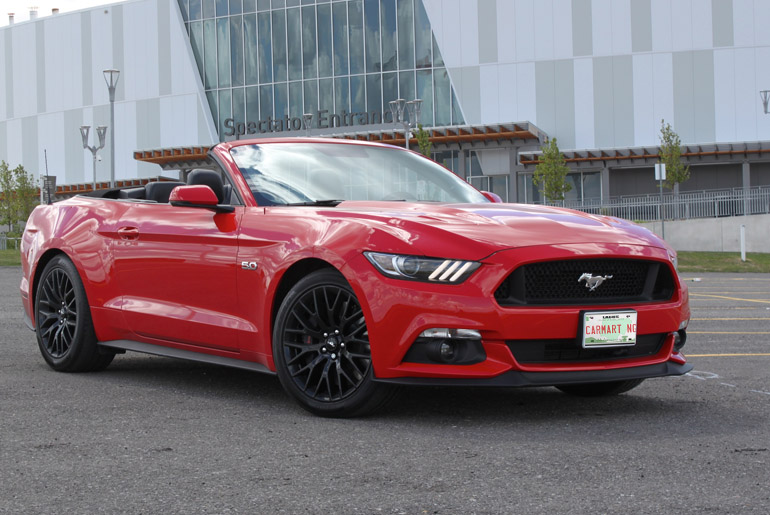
point(729, 298)
point(738, 318)
point(732, 354)
point(728, 332)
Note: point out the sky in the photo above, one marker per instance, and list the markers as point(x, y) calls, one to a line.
point(21, 8)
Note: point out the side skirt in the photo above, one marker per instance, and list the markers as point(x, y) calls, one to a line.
point(171, 352)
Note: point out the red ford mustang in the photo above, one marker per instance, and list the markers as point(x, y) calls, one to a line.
point(347, 269)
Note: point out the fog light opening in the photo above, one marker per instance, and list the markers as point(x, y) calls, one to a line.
point(447, 351)
point(680, 337)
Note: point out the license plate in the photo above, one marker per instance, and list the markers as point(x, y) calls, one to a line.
point(608, 328)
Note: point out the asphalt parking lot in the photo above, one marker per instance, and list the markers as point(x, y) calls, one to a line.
point(152, 435)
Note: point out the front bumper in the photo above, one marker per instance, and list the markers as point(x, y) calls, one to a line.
point(398, 311)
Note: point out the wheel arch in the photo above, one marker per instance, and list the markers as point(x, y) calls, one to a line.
point(47, 256)
point(292, 275)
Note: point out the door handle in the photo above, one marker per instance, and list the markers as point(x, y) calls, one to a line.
point(128, 233)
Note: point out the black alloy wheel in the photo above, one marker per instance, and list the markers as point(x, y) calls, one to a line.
point(322, 351)
point(65, 332)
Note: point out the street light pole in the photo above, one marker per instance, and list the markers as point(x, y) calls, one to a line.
point(101, 132)
point(111, 78)
point(399, 108)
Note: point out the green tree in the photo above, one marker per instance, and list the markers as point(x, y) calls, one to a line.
point(7, 196)
point(551, 172)
point(26, 193)
point(671, 156)
point(18, 195)
point(423, 141)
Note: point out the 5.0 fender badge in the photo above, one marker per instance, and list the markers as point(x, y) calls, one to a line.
point(249, 265)
point(593, 282)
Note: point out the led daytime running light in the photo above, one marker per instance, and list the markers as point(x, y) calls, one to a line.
point(447, 271)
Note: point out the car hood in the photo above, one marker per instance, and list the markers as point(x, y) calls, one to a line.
point(482, 229)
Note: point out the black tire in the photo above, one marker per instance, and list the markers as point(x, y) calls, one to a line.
point(321, 349)
point(600, 389)
point(65, 332)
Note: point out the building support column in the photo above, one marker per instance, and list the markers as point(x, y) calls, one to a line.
point(746, 183)
point(513, 176)
point(605, 185)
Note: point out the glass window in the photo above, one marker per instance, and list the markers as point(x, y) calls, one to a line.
point(357, 94)
point(222, 8)
point(406, 85)
point(225, 109)
point(309, 58)
point(252, 104)
point(183, 8)
point(405, 35)
point(266, 101)
point(389, 41)
point(292, 3)
point(236, 49)
point(195, 9)
point(213, 99)
point(425, 93)
point(277, 4)
point(239, 105)
point(576, 193)
point(325, 40)
point(356, 33)
point(236, 7)
point(372, 35)
point(389, 89)
point(250, 36)
point(592, 185)
point(223, 52)
point(265, 48)
point(210, 54)
point(340, 36)
point(373, 93)
point(281, 99)
point(294, 27)
point(279, 46)
point(249, 6)
point(423, 36)
point(457, 114)
point(296, 104)
point(311, 97)
point(438, 61)
point(326, 97)
point(196, 41)
point(441, 97)
point(341, 95)
point(209, 8)
point(263, 5)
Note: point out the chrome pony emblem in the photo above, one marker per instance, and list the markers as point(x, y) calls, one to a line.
point(593, 282)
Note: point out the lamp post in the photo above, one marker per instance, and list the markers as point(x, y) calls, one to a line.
point(101, 131)
point(399, 108)
point(111, 78)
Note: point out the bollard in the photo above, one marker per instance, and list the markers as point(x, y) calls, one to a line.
point(743, 243)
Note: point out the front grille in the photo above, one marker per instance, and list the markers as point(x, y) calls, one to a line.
point(558, 283)
point(569, 350)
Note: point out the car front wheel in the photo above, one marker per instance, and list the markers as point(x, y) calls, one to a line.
point(321, 349)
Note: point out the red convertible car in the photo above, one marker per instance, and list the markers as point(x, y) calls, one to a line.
point(347, 269)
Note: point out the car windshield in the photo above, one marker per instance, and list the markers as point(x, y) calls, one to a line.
point(326, 173)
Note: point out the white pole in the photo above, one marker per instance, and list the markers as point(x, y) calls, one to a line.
point(743, 242)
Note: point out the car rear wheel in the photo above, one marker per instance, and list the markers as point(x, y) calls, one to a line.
point(65, 332)
point(321, 349)
point(600, 389)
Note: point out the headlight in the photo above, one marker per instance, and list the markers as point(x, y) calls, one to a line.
point(674, 260)
point(417, 268)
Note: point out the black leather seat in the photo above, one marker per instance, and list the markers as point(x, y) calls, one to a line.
point(211, 179)
point(160, 191)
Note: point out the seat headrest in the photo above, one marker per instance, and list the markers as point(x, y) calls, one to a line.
point(208, 178)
